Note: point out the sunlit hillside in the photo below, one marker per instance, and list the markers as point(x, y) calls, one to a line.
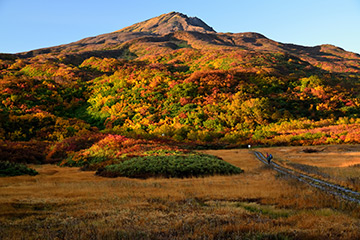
point(173, 78)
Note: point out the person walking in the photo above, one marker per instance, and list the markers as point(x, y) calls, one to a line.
point(269, 157)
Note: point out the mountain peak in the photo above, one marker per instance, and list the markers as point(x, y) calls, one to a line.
point(168, 23)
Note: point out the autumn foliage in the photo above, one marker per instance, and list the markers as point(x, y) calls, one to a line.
point(195, 95)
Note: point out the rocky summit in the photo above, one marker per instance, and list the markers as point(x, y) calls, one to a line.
point(168, 23)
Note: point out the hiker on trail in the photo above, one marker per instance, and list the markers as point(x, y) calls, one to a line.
point(268, 158)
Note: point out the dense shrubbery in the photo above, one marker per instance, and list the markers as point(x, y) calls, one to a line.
point(190, 165)
point(305, 132)
point(112, 148)
point(62, 149)
point(204, 96)
point(23, 152)
point(209, 105)
point(8, 169)
point(137, 157)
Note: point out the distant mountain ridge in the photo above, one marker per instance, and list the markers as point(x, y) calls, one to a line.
point(174, 30)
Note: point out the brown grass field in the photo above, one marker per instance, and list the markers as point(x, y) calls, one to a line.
point(66, 203)
point(339, 164)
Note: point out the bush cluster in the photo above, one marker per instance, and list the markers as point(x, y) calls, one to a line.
point(114, 148)
point(15, 169)
point(179, 166)
point(23, 152)
point(62, 149)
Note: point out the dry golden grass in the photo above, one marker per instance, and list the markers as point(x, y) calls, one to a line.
point(66, 203)
point(334, 163)
point(328, 156)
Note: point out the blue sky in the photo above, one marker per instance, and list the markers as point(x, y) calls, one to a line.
point(27, 25)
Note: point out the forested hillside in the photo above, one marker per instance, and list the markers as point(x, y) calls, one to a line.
point(185, 86)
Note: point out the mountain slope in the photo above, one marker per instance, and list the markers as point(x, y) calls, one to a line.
point(185, 85)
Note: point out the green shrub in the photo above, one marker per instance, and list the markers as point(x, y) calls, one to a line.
point(15, 169)
point(180, 166)
point(91, 163)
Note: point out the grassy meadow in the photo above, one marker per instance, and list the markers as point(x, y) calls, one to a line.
point(339, 164)
point(66, 203)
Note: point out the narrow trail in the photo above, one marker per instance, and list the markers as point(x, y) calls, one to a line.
point(336, 190)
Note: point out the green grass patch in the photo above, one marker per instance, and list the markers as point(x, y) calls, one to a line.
point(8, 169)
point(178, 166)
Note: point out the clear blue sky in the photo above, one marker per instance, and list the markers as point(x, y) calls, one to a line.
point(31, 24)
